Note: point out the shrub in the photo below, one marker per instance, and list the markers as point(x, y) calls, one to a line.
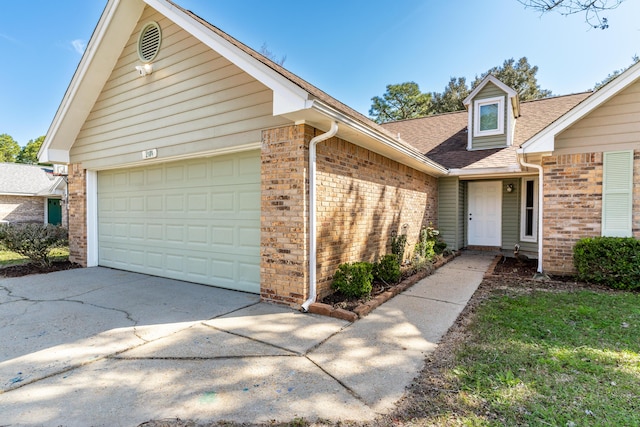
point(353, 279)
point(387, 269)
point(427, 242)
point(398, 245)
point(611, 261)
point(34, 241)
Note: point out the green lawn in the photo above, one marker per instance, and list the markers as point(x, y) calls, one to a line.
point(550, 358)
point(11, 258)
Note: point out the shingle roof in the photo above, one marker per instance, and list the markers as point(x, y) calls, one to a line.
point(443, 137)
point(17, 178)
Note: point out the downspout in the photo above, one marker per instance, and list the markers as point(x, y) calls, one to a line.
point(312, 213)
point(540, 205)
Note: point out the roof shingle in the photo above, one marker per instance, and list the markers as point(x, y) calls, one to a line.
point(443, 137)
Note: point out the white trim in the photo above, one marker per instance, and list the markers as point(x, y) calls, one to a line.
point(287, 97)
point(481, 172)
point(477, 105)
point(545, 139)
point(490, 78)
point(92, 218)
point(523, 209)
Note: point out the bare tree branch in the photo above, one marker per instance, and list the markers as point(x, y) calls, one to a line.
point(592, 9)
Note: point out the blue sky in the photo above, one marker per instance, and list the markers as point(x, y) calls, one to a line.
point(351, 49)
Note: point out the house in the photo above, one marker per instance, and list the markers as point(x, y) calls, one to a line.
point(31, 193)
point(542, 174)
point(193, 157)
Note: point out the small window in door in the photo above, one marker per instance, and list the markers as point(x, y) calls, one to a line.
point(529, 215)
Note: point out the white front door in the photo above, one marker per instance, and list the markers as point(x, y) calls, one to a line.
point(484, 217)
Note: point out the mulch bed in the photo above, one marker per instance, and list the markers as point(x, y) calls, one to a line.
point(29, 268)
point(349, 308)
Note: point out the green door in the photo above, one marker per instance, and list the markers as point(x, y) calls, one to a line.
point(54, 212)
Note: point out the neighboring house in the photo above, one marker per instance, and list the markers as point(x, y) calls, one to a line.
point(191, 156)
point(30, 193)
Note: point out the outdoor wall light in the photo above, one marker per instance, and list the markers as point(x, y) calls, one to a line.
point(509, 188)
point(145, 69)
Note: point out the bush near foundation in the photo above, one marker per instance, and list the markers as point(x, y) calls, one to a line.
point(34, 241)
point(387, 269)
point(353, 279)
point(611, 261)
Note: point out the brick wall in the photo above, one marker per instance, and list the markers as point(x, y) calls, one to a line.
point(283, 229)
point(572, 206)
point(77, 206)
point(362, 198)
point(22, 209)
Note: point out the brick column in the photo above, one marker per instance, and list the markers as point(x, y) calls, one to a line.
point(77, 206)
point(284, 217)
point(572, 206)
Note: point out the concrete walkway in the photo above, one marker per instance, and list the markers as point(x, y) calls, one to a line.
point(102, 347)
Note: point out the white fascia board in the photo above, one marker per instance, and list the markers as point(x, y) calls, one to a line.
point(83, 91)
point(51, 155)
point(490, 78)
point(288, 97)
point(545, 139)
point(411, 155)
point(485, 171)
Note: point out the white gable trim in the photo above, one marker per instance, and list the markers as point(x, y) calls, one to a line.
point(544, 141)
point(287, 96)
point(490, 78)
point(97, 60)
point(115, 25)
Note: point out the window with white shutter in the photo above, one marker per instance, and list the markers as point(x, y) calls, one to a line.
point(617, 194)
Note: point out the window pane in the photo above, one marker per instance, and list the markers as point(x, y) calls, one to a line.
point(529, 223)
point(529, 195)
point(489, 117)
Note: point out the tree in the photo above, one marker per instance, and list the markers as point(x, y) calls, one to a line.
point(29, 153)
point(400, 101)
point(264, 50)
point(520, 76)
point(616, 73)
point(451, 98)
point(592, 9)
point(9, 148)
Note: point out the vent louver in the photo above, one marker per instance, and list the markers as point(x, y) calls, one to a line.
point(149, 42)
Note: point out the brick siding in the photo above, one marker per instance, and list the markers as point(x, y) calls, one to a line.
point(77, 215)
point(22, 209)
point(283, 229)
point(573, 205)
point(362, 198)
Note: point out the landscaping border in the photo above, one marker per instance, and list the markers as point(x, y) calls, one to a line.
point(364, 309)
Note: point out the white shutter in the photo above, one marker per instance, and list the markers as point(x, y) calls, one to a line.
point(617, 194)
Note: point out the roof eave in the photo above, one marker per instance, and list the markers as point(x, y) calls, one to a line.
point(544, 141)
point(98, 60)
point(384, 144)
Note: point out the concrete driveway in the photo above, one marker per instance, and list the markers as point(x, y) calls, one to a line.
point(104, 347)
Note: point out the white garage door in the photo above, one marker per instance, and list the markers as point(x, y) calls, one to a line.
point(195, 220)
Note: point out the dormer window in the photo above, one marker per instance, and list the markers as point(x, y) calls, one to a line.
point(489, 116)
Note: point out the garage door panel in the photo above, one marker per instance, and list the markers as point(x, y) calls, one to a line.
point(195, 220)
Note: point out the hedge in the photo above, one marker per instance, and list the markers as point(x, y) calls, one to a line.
point(611, 261)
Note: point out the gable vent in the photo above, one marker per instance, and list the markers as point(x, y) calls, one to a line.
point(149, 42)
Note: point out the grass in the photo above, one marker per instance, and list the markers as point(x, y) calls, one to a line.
point(548, 358)
point(8, 258)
